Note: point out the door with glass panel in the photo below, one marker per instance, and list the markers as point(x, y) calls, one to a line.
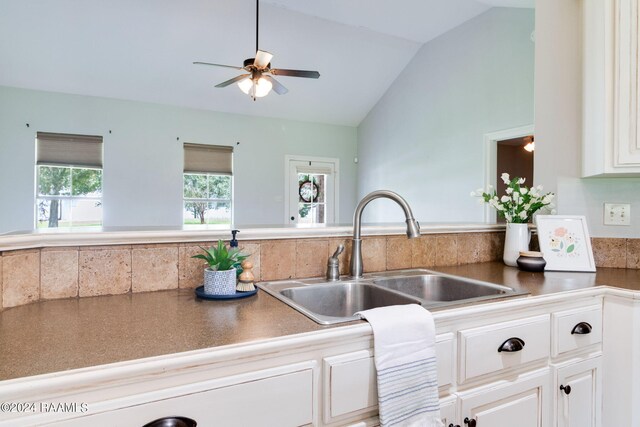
point(312, 191)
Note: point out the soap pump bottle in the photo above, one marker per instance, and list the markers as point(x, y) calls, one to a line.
point(233, 243)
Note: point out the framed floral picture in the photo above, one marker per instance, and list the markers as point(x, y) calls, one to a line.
point(565, 243)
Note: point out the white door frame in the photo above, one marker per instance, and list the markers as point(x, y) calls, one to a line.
point(490, 160)
point(288, 158)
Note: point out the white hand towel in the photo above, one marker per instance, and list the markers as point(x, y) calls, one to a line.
point(405, 358)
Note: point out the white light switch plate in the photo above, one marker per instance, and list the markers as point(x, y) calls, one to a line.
point(617, 214)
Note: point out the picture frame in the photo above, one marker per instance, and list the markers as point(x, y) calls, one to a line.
point(565, 242)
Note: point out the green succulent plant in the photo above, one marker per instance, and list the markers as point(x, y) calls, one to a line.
point(220, 259)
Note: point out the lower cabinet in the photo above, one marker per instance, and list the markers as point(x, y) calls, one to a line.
point(350, 387)
point(276, 397)
point(578, 393)
point(524, 402)
point(484, 379)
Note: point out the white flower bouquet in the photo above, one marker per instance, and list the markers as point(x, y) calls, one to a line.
point(519, 203)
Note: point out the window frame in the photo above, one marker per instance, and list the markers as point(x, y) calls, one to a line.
point(70, 197)
point(186, 200)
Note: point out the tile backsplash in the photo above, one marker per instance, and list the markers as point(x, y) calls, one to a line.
point(31, 275)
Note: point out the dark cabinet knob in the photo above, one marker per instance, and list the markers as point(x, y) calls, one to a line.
point(451, 425)
point(511, 345)
point(566, 389)
point(582, 328)
point(293, 218)
point(172, 422)
point(470, 422)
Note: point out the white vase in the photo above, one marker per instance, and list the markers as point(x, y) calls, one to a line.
point(219, 282)
point(516, 239)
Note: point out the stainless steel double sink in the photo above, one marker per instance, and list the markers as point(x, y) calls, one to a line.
point(337, 302)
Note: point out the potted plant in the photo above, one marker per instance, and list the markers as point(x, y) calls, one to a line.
point(517, 207)
point(220, 275)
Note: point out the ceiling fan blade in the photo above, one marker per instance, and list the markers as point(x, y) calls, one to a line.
point(262, 59)
point(296, 73)
point(277, 87)
point(233, 80)
point(218, 65)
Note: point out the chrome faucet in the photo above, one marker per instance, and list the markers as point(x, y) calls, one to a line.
point(413, 228)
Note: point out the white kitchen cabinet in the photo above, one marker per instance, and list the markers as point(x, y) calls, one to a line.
point(327, 378)
point(524, 402)
point(578, 393)
point(350, 386)
point(611, 89)
point(277, 397)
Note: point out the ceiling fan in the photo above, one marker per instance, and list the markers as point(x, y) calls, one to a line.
point(258, 80)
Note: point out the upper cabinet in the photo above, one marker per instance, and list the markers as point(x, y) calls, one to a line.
point(611, 88)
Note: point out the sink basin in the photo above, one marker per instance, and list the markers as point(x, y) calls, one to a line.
point(432, 287)
point(336, 302)
point(342, 300)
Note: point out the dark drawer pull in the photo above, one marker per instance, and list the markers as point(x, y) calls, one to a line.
point(451, 425)
point(470, 422)
point(172, 422)
point(511, 345)
point(582, 328)
point(566, 389)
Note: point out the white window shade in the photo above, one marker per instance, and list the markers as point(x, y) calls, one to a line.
point(216, 159)
point(69, 150)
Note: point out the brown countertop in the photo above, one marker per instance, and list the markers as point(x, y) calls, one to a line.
point(52, 336)
point(59, 335)
point(548, 282)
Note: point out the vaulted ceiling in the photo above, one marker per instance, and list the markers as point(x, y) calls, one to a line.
point(143, 50)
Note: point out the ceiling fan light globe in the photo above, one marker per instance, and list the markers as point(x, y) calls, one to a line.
point(245, 85)
point(263, 87)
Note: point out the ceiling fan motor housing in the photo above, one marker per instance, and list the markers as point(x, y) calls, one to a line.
point(249, 62)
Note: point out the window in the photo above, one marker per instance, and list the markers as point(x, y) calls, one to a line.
point(207, 184)
point(68, 180)
point(311, 198)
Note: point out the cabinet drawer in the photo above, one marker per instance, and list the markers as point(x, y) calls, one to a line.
point(479, 353)
point(564, 323)
point(279, 400)
point(350, 379)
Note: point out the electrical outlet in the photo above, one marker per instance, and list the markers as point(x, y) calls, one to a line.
point(617, 214)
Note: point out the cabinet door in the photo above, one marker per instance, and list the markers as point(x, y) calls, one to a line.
point(626, 90)
point(350, 386)
point(448, 411)
point(579, 399)
point(525, 402)
point(611, 88)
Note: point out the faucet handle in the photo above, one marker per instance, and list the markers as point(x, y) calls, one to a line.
point(338, 251)
point(333, 265)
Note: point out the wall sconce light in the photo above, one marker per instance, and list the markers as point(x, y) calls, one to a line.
point(530, 144)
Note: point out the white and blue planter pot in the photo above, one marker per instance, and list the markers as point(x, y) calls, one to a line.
point(220, 282)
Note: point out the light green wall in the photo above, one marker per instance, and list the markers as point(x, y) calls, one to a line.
point(143, 158)
point(424, 138)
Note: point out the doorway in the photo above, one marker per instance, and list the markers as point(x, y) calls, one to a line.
point(515, 157)
point(505, 152)
point(311, 190)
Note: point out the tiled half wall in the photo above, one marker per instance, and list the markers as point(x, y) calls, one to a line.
point(31, 275)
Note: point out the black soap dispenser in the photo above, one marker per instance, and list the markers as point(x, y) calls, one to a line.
point(233, 243)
